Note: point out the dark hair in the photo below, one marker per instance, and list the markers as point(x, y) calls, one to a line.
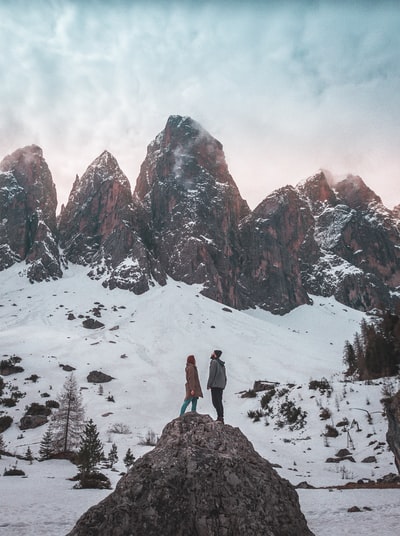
point(218, 353)
point(191, 359)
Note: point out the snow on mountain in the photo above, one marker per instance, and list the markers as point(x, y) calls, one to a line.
point(143, 346)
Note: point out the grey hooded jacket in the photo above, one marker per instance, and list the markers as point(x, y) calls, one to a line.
point(217, 374)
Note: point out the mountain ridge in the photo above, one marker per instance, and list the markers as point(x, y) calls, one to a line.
point(186, 219)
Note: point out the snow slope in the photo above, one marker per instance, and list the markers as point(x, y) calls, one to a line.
point(143, 345)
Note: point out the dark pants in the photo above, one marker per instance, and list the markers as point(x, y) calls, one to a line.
point(216, 397)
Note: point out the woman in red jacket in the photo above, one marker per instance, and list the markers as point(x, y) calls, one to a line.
point(193, 388)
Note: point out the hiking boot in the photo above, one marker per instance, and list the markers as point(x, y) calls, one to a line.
point(220, 419)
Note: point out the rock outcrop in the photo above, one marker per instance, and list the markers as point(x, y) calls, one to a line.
point(28, 202)
point(202, 478)
point(393, 433)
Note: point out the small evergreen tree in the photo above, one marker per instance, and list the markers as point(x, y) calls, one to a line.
point(2, 445)
point(29, 455)
point(46, 445)
point(129, 458)
point(67, 422)
point(359, 353)
point(91, 449)
point(113, 455)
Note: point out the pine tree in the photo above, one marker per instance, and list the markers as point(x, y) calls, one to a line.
point(46, 445)
point(67, 423)
point(360, 354)
point(29, 455)
point(349, 358)
point(91, 449)
point(129, 458)
point(2, 445)
point(113, 455)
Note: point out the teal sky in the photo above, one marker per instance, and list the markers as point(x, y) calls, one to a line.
point(287, 87)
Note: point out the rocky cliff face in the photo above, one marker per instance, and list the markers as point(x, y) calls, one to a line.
point(194, 207)
point(202, 478)
point(359, 259)
point(393, 433)
point(275, 234)
point(187, 220)
point(97, 228)
point(28, 201)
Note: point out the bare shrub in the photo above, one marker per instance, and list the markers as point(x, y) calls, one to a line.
point(119, 428)
point(150, 439)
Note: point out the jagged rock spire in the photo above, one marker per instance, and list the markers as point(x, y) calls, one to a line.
point(28, 203)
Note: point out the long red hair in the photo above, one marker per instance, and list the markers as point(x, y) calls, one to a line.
point(191, 359)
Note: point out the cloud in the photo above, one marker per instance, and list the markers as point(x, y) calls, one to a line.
point(287, 87)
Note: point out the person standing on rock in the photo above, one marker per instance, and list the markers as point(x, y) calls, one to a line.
point(193, 388)
point(217, 382)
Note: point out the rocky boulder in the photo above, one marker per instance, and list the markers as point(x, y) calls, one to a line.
point(36, 415)
point(202, 478)
point(96, 376)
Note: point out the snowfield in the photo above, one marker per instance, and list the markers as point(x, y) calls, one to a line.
point(143, 346)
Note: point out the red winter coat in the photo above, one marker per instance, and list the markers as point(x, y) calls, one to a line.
point(192, 382)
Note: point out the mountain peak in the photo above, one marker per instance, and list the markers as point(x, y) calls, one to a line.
point(22, 158)
point(318, 188)
point(105, 160)
point(183, 122)
point(355, 193)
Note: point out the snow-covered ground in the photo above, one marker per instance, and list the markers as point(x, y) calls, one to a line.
point(143, 345)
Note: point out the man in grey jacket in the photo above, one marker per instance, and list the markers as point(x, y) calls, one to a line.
point(217, 382)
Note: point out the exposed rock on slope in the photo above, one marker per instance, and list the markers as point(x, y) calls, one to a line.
point(28, 202)
point(202, 478)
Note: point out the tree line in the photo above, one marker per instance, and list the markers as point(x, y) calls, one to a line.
point(375, 350)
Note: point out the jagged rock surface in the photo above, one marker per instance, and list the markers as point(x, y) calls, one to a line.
point(275, 234)
point(28, 202)
point(187, 220)
point(358, 242)
point(97, 228)
point(393, 433)
point(202, 478)
point(194, 207)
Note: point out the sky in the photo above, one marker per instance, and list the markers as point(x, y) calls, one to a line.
point(287, 87)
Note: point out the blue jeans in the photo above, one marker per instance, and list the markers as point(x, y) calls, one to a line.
point(185, 404)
